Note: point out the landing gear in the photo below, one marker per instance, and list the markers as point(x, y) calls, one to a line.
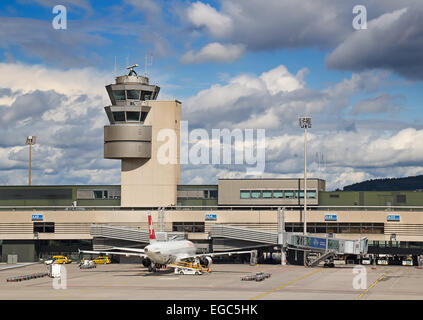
point(152, 267)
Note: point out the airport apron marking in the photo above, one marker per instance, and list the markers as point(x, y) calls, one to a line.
point(374, 283)
point(286, 284)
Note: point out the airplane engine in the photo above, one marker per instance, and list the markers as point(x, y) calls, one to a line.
point(207, 261)
point(146, 262)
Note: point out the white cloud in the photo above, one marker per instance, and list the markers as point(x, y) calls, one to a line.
point(204, 15)
point(280, 79)
point(27, 78)
point(214, 52)
point(392, 41)
point(353, 149)
point(68, 122)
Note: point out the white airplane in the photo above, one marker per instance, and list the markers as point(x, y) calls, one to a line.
point(162, 253)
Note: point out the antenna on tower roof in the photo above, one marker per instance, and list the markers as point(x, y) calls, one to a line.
point(147, 63)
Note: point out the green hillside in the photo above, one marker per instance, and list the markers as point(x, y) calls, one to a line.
point(388, 184)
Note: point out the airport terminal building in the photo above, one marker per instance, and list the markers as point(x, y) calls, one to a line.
point(38, 221)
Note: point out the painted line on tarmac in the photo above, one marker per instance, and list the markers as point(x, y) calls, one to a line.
point(18, 266)
point(286, 284)
point(374, 283)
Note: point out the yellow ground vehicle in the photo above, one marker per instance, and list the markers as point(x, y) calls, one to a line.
point(184, 264)
point(61, 259)
point(408, 261)
point(102, 260)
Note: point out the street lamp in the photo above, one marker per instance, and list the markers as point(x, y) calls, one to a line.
point(30, 140)
point(305, 122)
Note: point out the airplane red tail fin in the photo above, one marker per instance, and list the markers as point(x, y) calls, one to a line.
point(151, 233)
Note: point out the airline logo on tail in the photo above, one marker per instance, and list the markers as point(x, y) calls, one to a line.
point(151, 232)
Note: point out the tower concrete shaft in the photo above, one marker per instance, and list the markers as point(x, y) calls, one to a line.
point(137, 119)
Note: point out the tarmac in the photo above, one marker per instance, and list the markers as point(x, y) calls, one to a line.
point(134, 282)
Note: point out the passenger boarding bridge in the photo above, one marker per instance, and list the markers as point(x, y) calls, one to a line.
point(246, 238)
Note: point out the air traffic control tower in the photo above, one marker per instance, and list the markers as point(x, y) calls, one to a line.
point(136, 118)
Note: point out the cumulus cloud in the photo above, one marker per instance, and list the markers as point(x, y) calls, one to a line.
point(245, 98)
point(349, 149)
point(214, 52)
point(382, 103)
point(205, 16)
point(68, 123)
point(392, 41)
point(67, 120)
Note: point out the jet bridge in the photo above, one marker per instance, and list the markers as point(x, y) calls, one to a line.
point(325, 248)
point(338, 246)
point(118, 233)
point(291, 239)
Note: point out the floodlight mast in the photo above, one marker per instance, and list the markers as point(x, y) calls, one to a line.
point(305, 122)
point(30, 140)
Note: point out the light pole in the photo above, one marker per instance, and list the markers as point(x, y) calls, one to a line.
point(30, 140)
point(305, 122)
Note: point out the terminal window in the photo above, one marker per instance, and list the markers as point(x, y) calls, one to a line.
point(255, 194)
point(145, 95)
point(132, 116)
point(44, 227)
point(267, 194)
point(188, 226)
point(245, 194)
point(289, 194)
point(119, 94)
point(213, 194)
point(119, 116)
point(401, 198)
point(299, 194)
point(277, 194)
point(311, 194)
point(330, 227)
point(133, 94)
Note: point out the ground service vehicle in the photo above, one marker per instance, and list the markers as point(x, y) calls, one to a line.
point(102, 260)
point(383, 260)
point(407, 261)
point(185, 270)
point(61, 259)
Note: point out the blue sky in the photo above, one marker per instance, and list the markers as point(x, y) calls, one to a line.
point(362, 87)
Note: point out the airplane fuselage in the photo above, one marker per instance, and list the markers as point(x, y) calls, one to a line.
point(169, 251)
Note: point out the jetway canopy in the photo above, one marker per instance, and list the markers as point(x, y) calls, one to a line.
point(130, 234)
point(339, 246)
point(290, 239)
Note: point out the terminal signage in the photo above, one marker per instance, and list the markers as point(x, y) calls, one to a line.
point(319, 243)
point(37, 217)
point(393, 217)
point(212, 217)
point(331, 217)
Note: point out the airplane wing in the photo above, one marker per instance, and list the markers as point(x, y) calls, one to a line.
point(215, 254)
point(129, 249)
point(127, 254)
